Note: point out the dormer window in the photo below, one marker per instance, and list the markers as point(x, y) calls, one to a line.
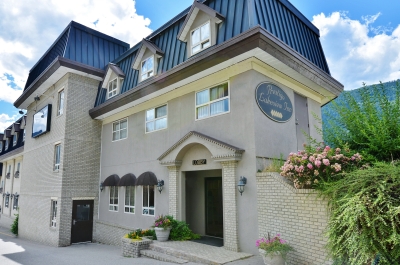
point(201, 38)
point(112, 88)
point(6, 146)
point(15, 139)
point(23, 138)
point(147, 68)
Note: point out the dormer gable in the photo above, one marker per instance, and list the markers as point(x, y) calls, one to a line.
point(146, 60)
point(113, 80)
point(15, 128)
point(22, 123)
point(199, 29)
point(7, 134)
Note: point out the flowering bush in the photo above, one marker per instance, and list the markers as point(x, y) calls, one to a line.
point(274, 246)
point(307, 168)
point(162, 221)
point(135, 235)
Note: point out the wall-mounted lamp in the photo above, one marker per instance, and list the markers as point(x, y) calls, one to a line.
point(160, 185)
point(101, 186)
point(37, 98)
point(241, 184)
point(21, 111)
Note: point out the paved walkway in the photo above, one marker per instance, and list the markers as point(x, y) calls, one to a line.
point(15, 251)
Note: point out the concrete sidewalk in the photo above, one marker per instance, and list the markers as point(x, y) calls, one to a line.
point(14, 250)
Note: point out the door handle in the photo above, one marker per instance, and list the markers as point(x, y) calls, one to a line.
point(73, 222)
point(297, 123)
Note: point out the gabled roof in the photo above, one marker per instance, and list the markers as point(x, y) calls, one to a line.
point(15, 128)
point(7, 133)
point(112, 68)
point(146, 45)
point(194, 10)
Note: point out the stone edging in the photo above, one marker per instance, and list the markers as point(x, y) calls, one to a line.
point(285, 182)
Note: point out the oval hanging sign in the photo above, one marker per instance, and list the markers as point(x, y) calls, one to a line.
point(274, 102)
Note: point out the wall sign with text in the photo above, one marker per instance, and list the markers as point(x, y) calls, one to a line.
point(274, 102)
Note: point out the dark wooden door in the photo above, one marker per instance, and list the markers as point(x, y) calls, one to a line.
point(214, 207)
point(82, 221)
point(301, 113)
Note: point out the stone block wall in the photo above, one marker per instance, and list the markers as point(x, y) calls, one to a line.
point(131, 248)
point(110, 234)
point(298, 215)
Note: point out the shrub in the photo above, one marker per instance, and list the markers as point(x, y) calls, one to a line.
point(318, 164)
point(274, 246)
point(180, 230)
point(14, 225)
point(365, 216)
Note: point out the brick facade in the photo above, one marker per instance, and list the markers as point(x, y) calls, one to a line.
point(174, 191)
point(109, 234)
point(298, 215)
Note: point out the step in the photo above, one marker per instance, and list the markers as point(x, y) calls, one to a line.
point(162, 256)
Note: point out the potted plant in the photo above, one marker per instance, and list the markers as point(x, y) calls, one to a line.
point(273, 250)
point(162, 226)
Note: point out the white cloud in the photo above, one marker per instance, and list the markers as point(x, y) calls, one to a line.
point(356, 51)
point(6, 121)
point(28, 28)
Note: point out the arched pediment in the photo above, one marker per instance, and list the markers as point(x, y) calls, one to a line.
point(219, 150)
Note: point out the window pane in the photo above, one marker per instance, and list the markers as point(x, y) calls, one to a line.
point(144, 66)
point(150, 126)
point(196, 48)
point(219, 107)
point(123, 133)
point(145, 196)
point(150, 115)
point(196, 36)
point(115, 136)
point(161, 111)
point(149, 74)
point(115, 82)
point(202, 97)
point(115, 195)
point(151, 196)
point(205, 31)
point(111, 195)
point(132, 196)
point(123, 124)
point(151, 212)
point(161, 123)
point(202, 112)
point(205, 44)
point(150, 63)
point(127, 193)
point(144, 76)
point(115, 126)
point(217, 92)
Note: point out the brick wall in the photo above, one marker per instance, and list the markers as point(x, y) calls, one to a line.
point(298, 215)
point(110, 234)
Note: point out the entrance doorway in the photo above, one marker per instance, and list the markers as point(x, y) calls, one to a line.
point(214, 212)
point(82, 221)
point(302, 125)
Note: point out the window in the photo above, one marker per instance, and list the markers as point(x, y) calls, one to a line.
point(120, 129)
point(9, 169)
point(57, 155)
point(18, 166)
point(15, 203)
point(147, 69)
point(23, 138)
point(53, 215)
point(15, 139)
point(7, 202)
point(211, 102)
point(113, 199)
point(60, 103)
point(156, 119)
point(6, 147)
point(112, 88)
point(130, 199)
point(148, 200)
point(200, 38)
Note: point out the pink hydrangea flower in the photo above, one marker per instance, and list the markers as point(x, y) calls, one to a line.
point(309, 165)
point(326, 162)
point(317, 163)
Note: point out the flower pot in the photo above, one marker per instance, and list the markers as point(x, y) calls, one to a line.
point(162, 233)
point(275, 259)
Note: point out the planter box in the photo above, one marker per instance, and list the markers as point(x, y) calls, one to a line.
point(131, 247)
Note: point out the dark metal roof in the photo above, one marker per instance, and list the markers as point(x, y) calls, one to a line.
point(111, 180)
point(279, 17)
point(147, 179)
point(12, 149)
point(127, 180)
point(80, 44)
point(116, 70)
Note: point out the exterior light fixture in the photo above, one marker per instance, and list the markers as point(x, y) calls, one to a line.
point(21, 111)
point(37, 98)
point(160, 185)
point(101, 186)
point(241, 184)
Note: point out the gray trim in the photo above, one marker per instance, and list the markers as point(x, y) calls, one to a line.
point(152, 47)
point(116, 70)
point(51, 69)
point(256, 37)
point(12, 153)
point(235, 149)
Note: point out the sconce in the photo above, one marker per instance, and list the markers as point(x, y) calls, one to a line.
point(241, 184)
point(160, 185)
point(37, 98)
point(21, 111)
point(101, 186)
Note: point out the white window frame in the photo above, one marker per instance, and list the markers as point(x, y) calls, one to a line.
point(113, 207)
point(152, 70)
point(56, 167)
point(192, 45)
point(7, 144)
point(119, 131)
point(15, 138)
point(155, 119)
point(148, 202)
point(114, 91)
point(127, 205)
point(60, 106)
point(53, 213)
point(210, 102)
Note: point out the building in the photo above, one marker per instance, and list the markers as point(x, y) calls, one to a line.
point(121, 135)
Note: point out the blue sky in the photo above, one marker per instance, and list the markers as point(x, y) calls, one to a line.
point(361, 39)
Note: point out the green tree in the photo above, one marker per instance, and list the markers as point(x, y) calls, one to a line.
point(368, 121)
